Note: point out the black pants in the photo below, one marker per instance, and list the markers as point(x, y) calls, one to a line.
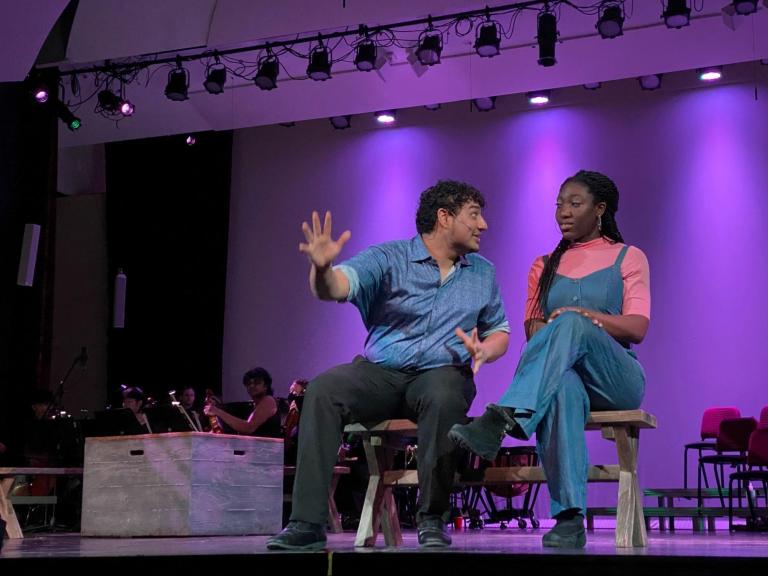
point(365, 392)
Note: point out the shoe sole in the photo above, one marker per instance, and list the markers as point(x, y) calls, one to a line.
point(306, 547)
point(460, 440)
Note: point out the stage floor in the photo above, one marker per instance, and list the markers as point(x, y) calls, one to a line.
point(511, 543)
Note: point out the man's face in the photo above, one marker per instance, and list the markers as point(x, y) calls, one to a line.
point(466, 227)
point(188, 398)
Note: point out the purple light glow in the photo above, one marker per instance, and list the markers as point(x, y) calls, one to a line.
point(191, 140)
point(41, 95)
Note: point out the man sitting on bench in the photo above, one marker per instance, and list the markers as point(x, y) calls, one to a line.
point(412, 295)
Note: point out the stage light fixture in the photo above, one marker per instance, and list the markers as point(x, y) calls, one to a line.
point(592, 85)
point(745, 7)
point(485, 104)
point(266, 76)
point(127, 108)
point(41, 93)
point(319, 63)
point(65, 115)
point(365, 55)
point(386, 116)
point(178, 84)
point(488, 39)
point(677, 14)
point(108, 101)
point(539, 97)
point(710, 74)
point(190, 140)
point(650, 82)
point(215, 78)
point(430, 46)
point(610, 23)
point(341, 122)
point(546, 27)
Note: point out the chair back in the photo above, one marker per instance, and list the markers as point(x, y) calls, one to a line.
point(758, 448)
point(710, 421)
point(763, 422)
point(734, 434)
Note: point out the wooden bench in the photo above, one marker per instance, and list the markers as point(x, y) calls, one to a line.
point(333, 514)
point(7, 476)
point(382, 439)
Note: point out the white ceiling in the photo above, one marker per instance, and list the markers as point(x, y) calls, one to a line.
point(114, 29)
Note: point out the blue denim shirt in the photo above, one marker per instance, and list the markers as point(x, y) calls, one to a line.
point(411, 315)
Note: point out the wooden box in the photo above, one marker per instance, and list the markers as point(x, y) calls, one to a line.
point(182, 484)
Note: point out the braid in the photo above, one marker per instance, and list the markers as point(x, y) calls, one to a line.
point(602, 189)
point(548, 274)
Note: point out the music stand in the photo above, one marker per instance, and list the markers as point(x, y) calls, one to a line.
point(167, 418)
point(116, 422)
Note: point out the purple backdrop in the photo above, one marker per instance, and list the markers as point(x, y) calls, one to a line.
point(692, 172)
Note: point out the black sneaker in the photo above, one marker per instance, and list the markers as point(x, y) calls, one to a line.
point(432, 534)
point(567, 534)
point(298, 535)
point(483, 435)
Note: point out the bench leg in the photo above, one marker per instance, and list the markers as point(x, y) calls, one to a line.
point(379, 507)
point(333, 514)
point(7, 512)
point(630, 523)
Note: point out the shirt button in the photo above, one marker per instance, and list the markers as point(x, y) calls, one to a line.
point(575, 298)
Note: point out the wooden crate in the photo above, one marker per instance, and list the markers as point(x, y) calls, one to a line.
point(182, 484)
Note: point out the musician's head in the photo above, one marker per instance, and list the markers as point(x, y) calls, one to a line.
point(133, 398)
point(258, 383)
point(297, 388)
point(187, 398)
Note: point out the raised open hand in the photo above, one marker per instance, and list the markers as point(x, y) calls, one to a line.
point(475, 348)
point(320, 247)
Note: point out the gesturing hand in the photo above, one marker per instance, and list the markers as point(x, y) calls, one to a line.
point(475, 348)
point(320, 248)
point(582, 311)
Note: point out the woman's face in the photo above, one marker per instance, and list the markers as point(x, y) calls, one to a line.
point(577, 213)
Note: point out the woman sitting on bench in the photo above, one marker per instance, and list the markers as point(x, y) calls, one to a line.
point(587, 302)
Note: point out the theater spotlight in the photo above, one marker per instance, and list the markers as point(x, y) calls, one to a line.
point(650, 82)
point(341, 122)
point(41, 93)
point(677, 14)
point(745, 7)
point(538, 98)
point(430, 46)
point(488, 39)
point(485, 104)
point(110, 104)
point(215, 77)
point(610, 24)
point(710, 74)
point(386, 116)
point(266, 77)
point(365, 55)
point(65, 115)
point(546, 27)
point(319, 63)
point(178, 84)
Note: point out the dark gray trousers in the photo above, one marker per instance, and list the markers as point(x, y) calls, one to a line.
point(365, 392)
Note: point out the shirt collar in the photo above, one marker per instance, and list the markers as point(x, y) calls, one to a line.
point(419, 252)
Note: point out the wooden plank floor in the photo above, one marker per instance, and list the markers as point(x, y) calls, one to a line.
point(490, 540)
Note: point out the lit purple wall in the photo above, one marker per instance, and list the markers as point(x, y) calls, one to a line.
point(690, 165)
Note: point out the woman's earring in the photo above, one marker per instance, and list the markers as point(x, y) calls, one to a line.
point(599, 223)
